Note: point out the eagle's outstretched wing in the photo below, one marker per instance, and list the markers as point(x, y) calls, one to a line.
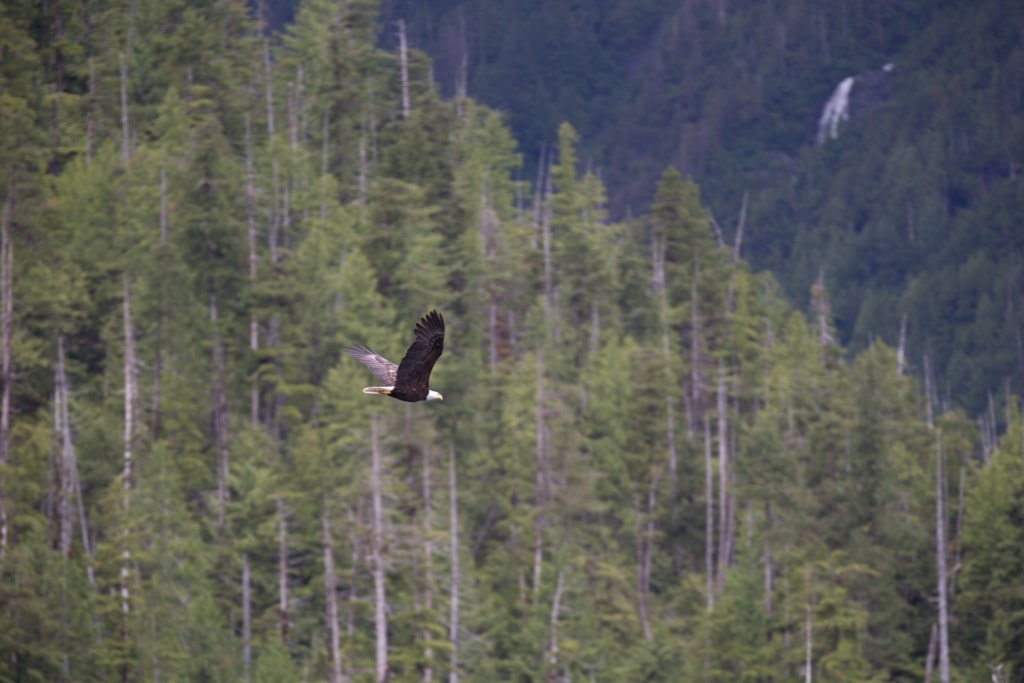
point(414, 370)
point(385, 370)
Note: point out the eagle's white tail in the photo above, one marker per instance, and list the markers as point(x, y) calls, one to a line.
point(383, 391)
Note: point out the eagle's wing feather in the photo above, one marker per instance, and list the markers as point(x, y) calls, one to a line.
point(385, 370)
point(414, 370)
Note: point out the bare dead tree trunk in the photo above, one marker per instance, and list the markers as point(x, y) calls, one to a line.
point(724, 530)
point(126, 144)
point(545, 237)
point(220, 418)
point(331, 598)
point(808, 669)
point(709, 519)
point(250, 222)
point(940, 561)
point(661, 287)
point(126, 475)
point(428, 570)
point(453, 587)
point(282, 570)
point(403, 62)
point(70, 487)
point(6, 321)
point(246, 619)
point(380, 617)
point(556, 609)
point(538, 197)
point(269, 91)
point(540, 479)
point(695, 381)
point(64, 459)
point(929, 662)
point(959, 528)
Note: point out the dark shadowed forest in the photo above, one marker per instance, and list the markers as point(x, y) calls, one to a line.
point(685, 436)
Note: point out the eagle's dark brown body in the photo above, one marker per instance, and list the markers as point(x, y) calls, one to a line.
point(409, 380)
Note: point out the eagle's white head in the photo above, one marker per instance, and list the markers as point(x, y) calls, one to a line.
point(434, 395)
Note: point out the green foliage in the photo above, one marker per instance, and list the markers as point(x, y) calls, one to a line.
point(990, 601)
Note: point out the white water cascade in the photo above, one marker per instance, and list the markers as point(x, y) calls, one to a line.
point(837, 110)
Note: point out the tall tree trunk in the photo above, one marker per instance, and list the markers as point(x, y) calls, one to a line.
point(808, 668)
point(695, 381)
point(220, 418)
point(709, 519)
point(940, 561)
point(661, 287)
point(269, 90)
point(126, 144)
point(62, 395)
point(540, 479)
point(453, 587)
point(331, 599)
point(65, 456)
point(403, 63)
point(538, 197)
point(556, 609)
point(126, 474)
point(428, 570)
point(724, 530)
point(282, 570)
point(380, 615)
point(250, 223)
point(957, 538)
point(545, 241)
point(929, 662)
point(129, 435)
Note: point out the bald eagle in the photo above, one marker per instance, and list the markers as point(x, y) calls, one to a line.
point(407, 381)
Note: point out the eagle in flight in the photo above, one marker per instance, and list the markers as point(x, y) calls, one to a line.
point(409, 380)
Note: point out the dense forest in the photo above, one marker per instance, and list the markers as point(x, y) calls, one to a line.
point(912, 211)
point(649, 465)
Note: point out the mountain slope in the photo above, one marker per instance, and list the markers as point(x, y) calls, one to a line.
point(916, 196)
